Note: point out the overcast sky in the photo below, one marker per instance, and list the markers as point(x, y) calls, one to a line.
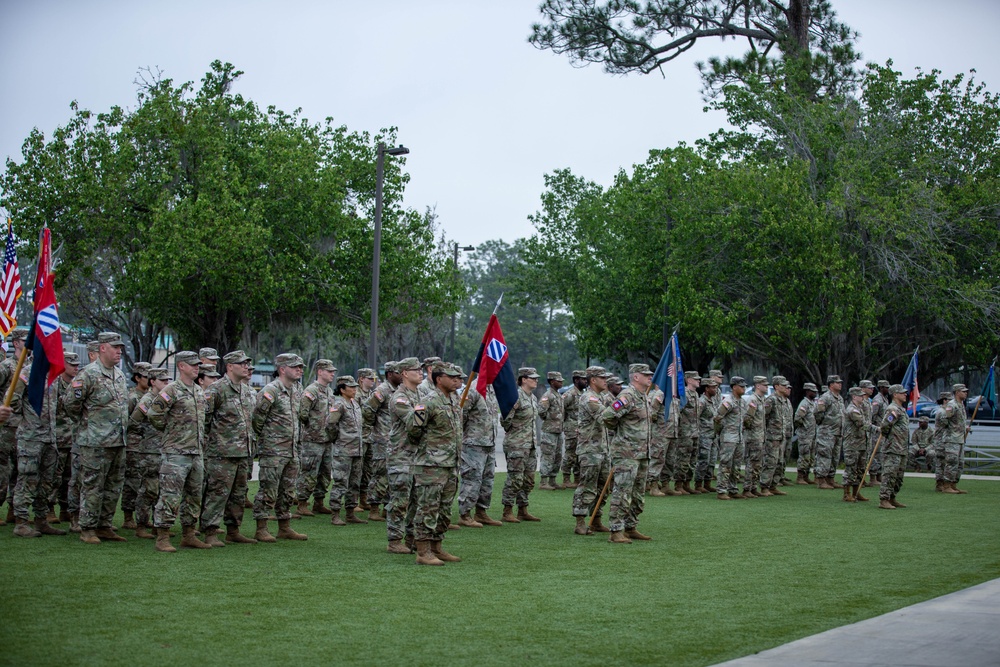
point(484, 113)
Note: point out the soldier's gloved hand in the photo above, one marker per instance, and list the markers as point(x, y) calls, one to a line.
point(5, 413)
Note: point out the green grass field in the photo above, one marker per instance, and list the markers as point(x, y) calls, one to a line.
point(719, 580)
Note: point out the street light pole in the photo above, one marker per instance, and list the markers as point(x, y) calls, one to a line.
point(377, 258)
point(468, 248)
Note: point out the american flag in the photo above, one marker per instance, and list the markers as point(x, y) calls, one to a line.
point(10, 285)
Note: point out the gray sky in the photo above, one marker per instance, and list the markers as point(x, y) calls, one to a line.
point(484, 114)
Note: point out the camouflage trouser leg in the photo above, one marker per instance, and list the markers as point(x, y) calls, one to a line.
point(73, 492)
point(130, 489)
point(669, 472)
point(627, 492)
point(771, 462)
point(876, 468)
point(60, 489)
point(182, 479)
point(838, 444)
point(551, 454)
point(937, 462)
point(311, 459)
point(753, 459)
point(36, 470)
point(478, 465)
point(685, 457)
point(8, 462)
point(378, 484)
point(367, 466)
point(346, 488)
point(531, 466)
point(824, 461)
point(806, 460)
point(950, 461)
point(102, 474)
point(594, 471)
point(225, 489)
point(277, 487)
point(434, 492)
point(892, 476)
point(854, 466)
point(400, 482)
point(657, 457)
point(730, 460)
point(703, 466)
point(517, 474)
point(783, 453)
point(570, 465)
point(149, 488)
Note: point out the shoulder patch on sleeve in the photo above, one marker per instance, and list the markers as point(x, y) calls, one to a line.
point(268, 396)
point(165, 396)
point(309, 395)
point(378, 395)
point(726, 402)
point(402, 399)
point(144, 407)
point(890, 418)
point(77, 383)
point(593, 399)
point(618, 405)
point(334, 407)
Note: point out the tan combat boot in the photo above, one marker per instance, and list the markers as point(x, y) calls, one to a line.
point(667, 491)
point(212, 538)
point(848, 496)
point(707, 486)
point(634, 534)
point(234, 536)
point(524, 515)
point(508, 515)
point(581, 526)
point(775, 491)
point(618, 537)
point(764, 492)
point(24, 529)
point(88, 537)
point(954, 486)
point(895, 503)
point(425, 556)
point(884, 504)
point(485, 519)
point(129, 523)
point(374, 514)
point(441, 554)
point(163, 541)
point(142, 532)
point(857, 494)
point(303, 508)
point(938, 484)
point(948, 487)
point(679, 489)
point(262, 535)
point(688, 490)
point(351, 517)
point(335, 519)
point(654, 490)
point(51, 517)
point(74, 522)
point(106, 534)
point(190, 541)
point(285, 531)
point(397, 547)
point(568, 482)
point(468, 521)
point(723, 496)
point(320, 508)
point(800, 479)
point(545, 486)
point(599, 527)
point(43, 527)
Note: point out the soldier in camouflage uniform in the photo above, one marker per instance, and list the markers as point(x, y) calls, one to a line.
point(753, 436)
point(667, 431)
point(98, 400)
point(829, 412)
point(227, 447)
point(140, 376)
point(937, 440)
point(427, 385)
point(376, 415)
point(480, 430)
point(344, 431)
point(571, 401)
point(276, 424)
point(857, 430)
point(729, 428)
point(179, 412)
point(879, 403)
point(399, 458)
point(147, 443)
point(956, 428)
point(805, 433)
point(65, 434)
point(551, 410)
point(774, 436)
point(706, 435)
point(629, 454)
point(250, 402)
point(920, 444)
point(316, 449)
point(367, 379)
point(8, 431)
point(593, 452)
point(896, 436)
point(867, 407)
point(657, 447)
point(435, 428)
point(519, 446)
point(686, 452)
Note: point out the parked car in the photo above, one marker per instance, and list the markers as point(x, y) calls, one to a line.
point(924, 407)
point(985, 411)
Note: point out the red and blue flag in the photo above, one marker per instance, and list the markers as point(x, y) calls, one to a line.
point(45, 335)
point(910, 380)
point(494, 368)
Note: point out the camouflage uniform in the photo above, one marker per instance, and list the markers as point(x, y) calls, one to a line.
point(316, 450)
point(98, 399)
point(829, 413)
point(551, 410)
point(344, 431)
point(65, 439)
point(658, 443)
point(630, 412)
point(805, 435)
point(36, 450)
point(435, 427)
point(131, 486)
point(728, 424)
point(774, 436)
point(593, 450)
point(954, 423)
point(375, 412)
point(276, 424)
point(686, 454)
point(879, 404)
point(399, 457)
point(753, 435)
point(8, 430)
point(519, 449)
point(480, 428)
point(147, 459)
point(667, 431)
point(920, 439)
point(367, 453)
point(227, 448)
point(571, 403)
point(706, 438)
point(179, 412)
point(937, 440)
point(896, 433)
point(858, 427)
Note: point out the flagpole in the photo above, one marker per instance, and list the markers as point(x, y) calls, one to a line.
point(9, 396)
point(978, 401)
point(473, 374)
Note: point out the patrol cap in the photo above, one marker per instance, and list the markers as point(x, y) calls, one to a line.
point(580, 374)
point(391, 366)
point(140, 368)
point(945, 396)
point(19, 334)
point(692, 375)
point(430, 361)
point(715, 373)
point(236, 357)
point(786, 383)
point(448, 369)
point(883, 383)
point(737, 381)
point(614, 379)
point(760, 379)
point(209, 353)
point(209, 370)
point(461, 373)
point(324, 365)
point(158, 374)
point(923, 419)
point(408, 364)
point(554, 375)
point(188, 357)
point(597, 372)
point(71, 358)
point(93, 347)
point(110, 338)
point(830, 379)
point(959, 387)
point(809, 386)
point(778, 380)
point(897, 389)
point(288, 360)
point(856, 391)
point(639, 368)
point(527, 372)
point(367, 373)
point(709, 382)
point(866, 384)
point(347, 381)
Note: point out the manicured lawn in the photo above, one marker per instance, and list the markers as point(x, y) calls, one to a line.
point(718, 581)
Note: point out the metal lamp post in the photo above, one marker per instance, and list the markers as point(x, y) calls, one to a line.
point(379, 174)
point(468, 248)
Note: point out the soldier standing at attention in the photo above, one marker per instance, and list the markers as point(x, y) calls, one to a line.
point(571, 400)
point(868, 408)
point(399, 458)
point(480, 429)
point(65, 434)
point(367, 379)
point(375, 412)
point(427, 385)
point(179, 412)
point(858, 427)
point(551, 410)
point(519, 447)
point(896, 432)
point(805, 433)
point(276, 424)
point(147, 454)
point(435, 427)
point(209, 356)
point(593, 452)
point(630, 454)
point(686, 454)
point(937, 440)
point(140, 376)
point(344, 431)
point(774, 435)
point(829, 412)
point(729, 427)
point(98, 399)
point(956, 428)
point(657, 447)
point(228, 432)
point(316, 450)
point(668, 431)
point(8, 430)
point(753, 434)
point(706, 435)
point(920, 443)
point(250, 401)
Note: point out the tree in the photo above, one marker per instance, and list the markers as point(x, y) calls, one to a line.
point(629, 36)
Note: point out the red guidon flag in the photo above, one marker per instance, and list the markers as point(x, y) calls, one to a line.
point(45, 336)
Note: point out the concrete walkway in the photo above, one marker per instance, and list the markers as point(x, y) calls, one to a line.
point(960, 629)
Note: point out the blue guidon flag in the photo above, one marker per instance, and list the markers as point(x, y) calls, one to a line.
point(44, 336)
point(669, 376)
point(494, 368)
